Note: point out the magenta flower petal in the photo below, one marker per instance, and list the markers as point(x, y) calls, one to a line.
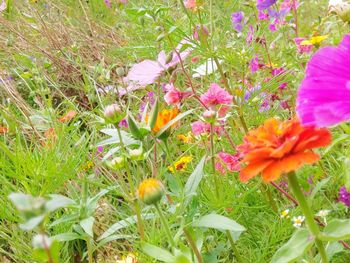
point(324, 95)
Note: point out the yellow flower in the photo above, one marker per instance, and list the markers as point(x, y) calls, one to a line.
point(285, 214)
point(150, 191)
point(315, 40)
point(188, 138)
point(180, 164)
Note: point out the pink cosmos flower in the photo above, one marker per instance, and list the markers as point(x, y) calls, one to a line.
point(173, 96)
point(324, 95)
point(148, 71)
point(302, 48)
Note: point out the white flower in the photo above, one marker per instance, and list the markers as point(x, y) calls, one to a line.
point(323, 213)
point(298, 221)
point(285, 214)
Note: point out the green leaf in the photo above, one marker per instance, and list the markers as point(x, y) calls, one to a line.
point(194, 179)
point(153, 115)
point(58, 201)
point(122, 224)
point(218, 222)
point(32, 223)
point(337, 229)
point(87, 225)
point(173, 121)
point(298, 244)
point(134, 129)
point(158, 253)
point(127, 139)
point(69, 236)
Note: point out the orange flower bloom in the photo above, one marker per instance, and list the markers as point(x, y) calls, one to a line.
point(277, 148)
point(163, 118)
point(68, 116)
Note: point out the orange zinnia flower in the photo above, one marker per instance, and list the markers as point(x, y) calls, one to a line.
point(277, 148)
point(163, 118)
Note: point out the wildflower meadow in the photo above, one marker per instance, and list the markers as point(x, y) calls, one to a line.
point(177, 131)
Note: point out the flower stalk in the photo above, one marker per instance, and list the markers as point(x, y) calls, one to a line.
point(165, 224)
point(309, 216)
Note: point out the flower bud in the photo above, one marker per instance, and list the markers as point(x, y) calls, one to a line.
point(136, 154)
point(150, 191)
point(209, 116)
point(113, 113)
point(116, 163)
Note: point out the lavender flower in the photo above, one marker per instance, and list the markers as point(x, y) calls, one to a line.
point(264, 4)
point(237, 21)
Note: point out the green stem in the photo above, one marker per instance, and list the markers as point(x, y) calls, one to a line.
point(272, 201)
point(89, 250)
point(234, 248)
point(193, 245)
point(213, 159)
point(165, 225)
point(132, 188)
point(309, 216)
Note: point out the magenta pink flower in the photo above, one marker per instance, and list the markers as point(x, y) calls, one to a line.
point(324, 95)
point(173, 96)
point(199, 128)
point(216, 95)
point(302, 48)
point(231, 161)
point(217, 98)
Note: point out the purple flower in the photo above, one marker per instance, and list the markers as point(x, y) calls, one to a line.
point(324, 95)
point(264, 4)
point(344, 196)
point(237, 21)
point(108, 3)
point(250, 35)
point(123, 123)
point(254, 64)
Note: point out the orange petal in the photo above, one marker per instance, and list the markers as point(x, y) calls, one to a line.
point(258, 154)
point(311, 139)
point(284, 148)
point(253, 169)
point(288, 164)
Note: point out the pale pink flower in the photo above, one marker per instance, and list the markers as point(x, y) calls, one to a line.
point(190, 4)
point(173, 96)
point(3, 6)
point(148, 71)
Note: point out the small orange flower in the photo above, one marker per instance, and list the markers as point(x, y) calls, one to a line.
point(277, 148)
point(4, 130)
point(50, 138)
point(163, 118)
point(188, 138)
point(68, 116)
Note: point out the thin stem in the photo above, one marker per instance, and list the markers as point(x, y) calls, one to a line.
point(213, 158)
point(165, 225)
point(265, 189)
point(227, 86)
point(234, 248)
point(132, 188)
point(291, 198)
point(193, 245)
point(309, 216)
